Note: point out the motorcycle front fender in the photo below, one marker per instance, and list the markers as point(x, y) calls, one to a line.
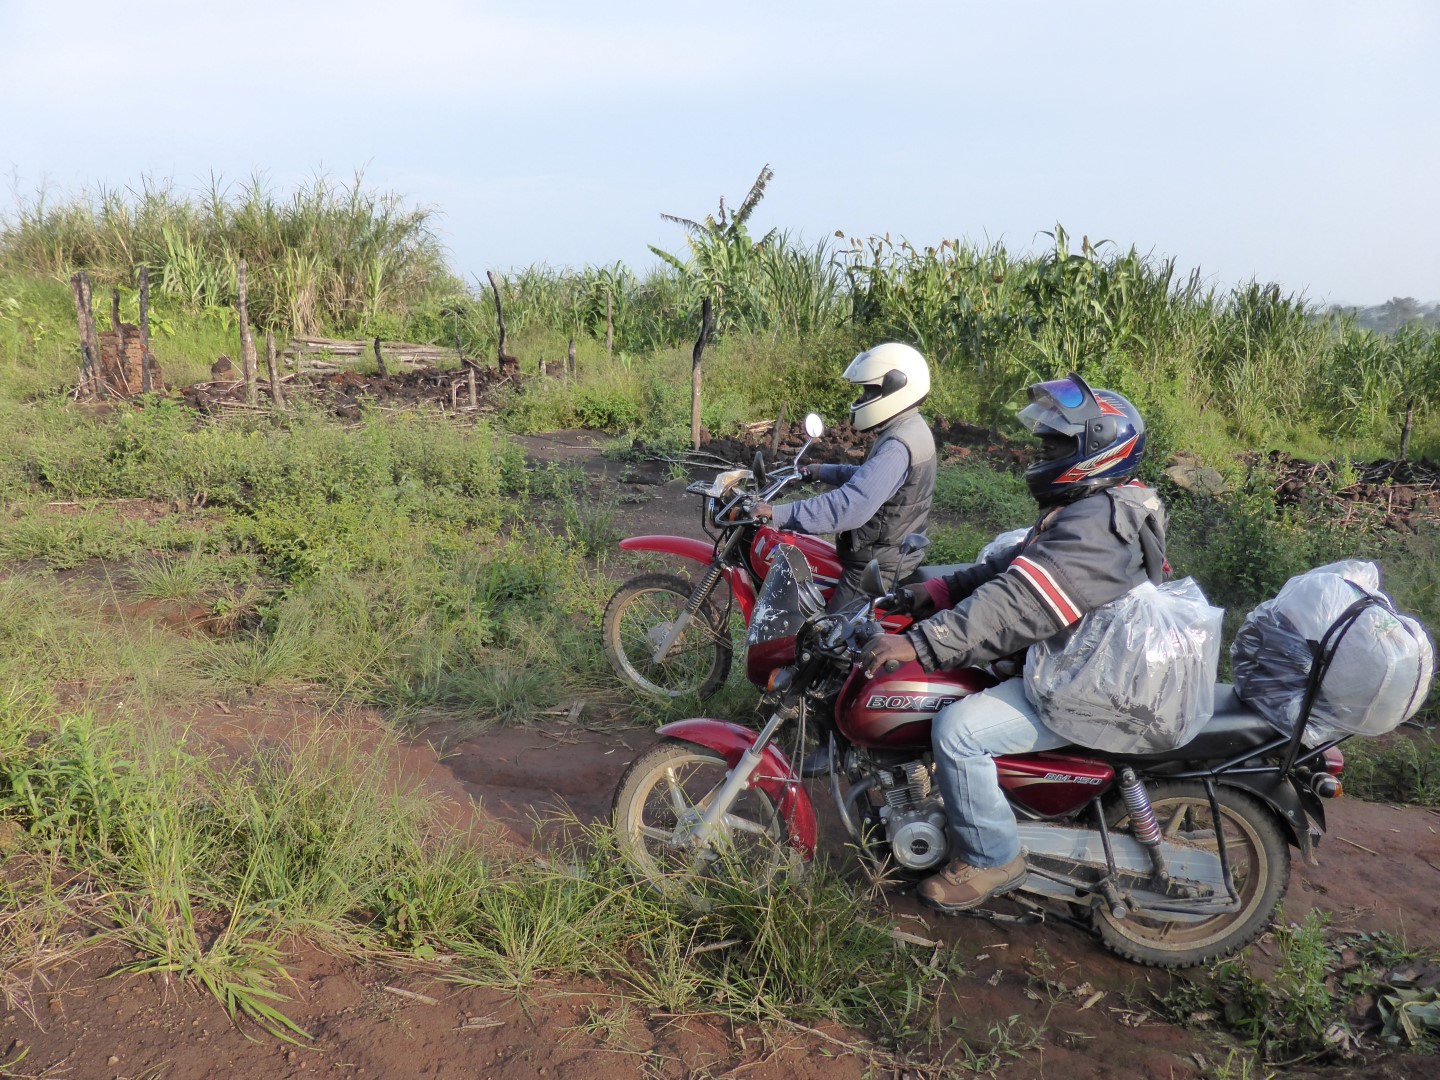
point(699, 551)
point(684, 546)
point(730, 741)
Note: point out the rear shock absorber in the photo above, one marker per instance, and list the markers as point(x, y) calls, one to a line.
point(1143, 825)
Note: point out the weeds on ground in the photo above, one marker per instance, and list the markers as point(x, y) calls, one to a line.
point(1300, 1011)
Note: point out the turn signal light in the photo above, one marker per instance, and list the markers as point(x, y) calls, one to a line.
point(780, 680)
point(1327, 786)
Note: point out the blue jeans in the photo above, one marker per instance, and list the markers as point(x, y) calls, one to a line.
point(1000, 720)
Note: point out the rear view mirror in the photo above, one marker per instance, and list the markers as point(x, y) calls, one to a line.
point(871, 583)
point(758, 468)
point(814, 426)
point(914, 542)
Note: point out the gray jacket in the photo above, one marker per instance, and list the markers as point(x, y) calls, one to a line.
point(907, 511)
point(1078, 557)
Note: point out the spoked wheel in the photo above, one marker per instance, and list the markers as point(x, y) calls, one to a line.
point(1259, 865)
point(637, 620)
point(657, 812)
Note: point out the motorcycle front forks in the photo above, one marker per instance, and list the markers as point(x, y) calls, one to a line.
point(736, 781)
point(697, 599)
point(698, 596)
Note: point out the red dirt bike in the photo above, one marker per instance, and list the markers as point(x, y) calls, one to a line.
point(1174, 859)
point(670, 637)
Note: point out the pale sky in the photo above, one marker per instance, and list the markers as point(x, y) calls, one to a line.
point(1291, 140)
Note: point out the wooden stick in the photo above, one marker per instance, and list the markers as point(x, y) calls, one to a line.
point(247, 339)
point(115, 310)
point(380, 360)
point(570, 368)
point(145, 365)
point(1353, 844)
point(423, 999)
point(277, 395)
point(706, 325)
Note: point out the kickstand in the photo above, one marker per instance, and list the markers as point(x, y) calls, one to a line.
point(1027, 917)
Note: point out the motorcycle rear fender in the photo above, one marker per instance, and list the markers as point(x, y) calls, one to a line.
point(731, 741)
point(1281, 795)
point(699, 551)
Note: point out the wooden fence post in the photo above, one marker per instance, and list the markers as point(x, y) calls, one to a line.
point(248, 360)
point(380, 361)
point(706, 325)
point(570, 369)
point(779, 430)
point(277, 395)
point(118, 329)
point(145, 365)
point(89, 344)
point(507, 363)
point(609, 324)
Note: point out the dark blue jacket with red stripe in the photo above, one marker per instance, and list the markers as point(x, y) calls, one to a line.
point(1076, 558)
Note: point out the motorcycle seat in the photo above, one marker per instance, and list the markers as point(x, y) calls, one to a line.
point(1234, 729)
point(930, 573)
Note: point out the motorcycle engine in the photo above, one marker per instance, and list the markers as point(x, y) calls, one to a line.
point(913, 817)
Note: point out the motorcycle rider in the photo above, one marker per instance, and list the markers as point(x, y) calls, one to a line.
point(874, 504)
point(1100, 533)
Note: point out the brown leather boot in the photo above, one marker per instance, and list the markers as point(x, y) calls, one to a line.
point(961, 886)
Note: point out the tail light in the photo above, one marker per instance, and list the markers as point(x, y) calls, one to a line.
point(1334, 761)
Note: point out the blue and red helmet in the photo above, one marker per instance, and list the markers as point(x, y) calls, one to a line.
point(1090, 439)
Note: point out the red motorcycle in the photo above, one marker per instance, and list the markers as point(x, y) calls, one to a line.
point(669, 636)
point(1174, 859)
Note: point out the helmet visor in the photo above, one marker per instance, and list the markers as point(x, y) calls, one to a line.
point(1066, 393)
point(869, 393)
point(1042, 418)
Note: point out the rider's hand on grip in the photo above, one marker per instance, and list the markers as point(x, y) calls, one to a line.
point(747, 509)
point(885, 650)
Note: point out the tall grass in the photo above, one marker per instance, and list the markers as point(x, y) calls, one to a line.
point(331, 254)
point(1250, 363)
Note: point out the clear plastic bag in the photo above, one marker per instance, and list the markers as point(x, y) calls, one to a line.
point(1135, 676)
point(1003, 543)
point(1382, 665)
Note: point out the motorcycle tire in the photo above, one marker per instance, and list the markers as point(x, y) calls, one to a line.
point(1260, 867)
point(642, 609)
point(655, 803)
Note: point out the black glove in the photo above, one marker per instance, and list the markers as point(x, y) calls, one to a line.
point(900, 602)
point(912, 600)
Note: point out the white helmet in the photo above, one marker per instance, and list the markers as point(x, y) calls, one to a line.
point(893, 378)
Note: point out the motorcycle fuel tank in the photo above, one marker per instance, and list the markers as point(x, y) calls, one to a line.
point(894, 710)
point(820, 554)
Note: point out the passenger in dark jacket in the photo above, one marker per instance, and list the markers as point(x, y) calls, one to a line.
point(1100, 534)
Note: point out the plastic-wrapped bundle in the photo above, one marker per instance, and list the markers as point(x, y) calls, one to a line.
point(1381, 669)
point(1134, 676)
point(1002, 543)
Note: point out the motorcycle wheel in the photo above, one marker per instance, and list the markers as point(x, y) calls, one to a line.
point(640, 612)
point(1259, 864)
point(658, 799)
